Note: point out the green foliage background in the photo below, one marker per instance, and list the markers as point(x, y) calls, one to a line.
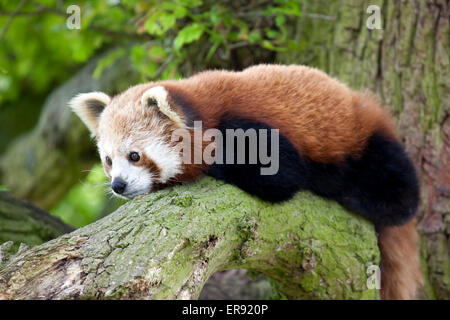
point(38, 52)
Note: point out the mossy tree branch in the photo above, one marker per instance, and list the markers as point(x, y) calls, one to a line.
point(167, 244)
point(23, 223)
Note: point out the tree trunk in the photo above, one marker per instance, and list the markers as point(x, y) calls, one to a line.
point(407, 65)
point(166, 245)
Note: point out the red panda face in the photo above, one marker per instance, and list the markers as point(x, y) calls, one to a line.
point(136, 166)
point(133, 132)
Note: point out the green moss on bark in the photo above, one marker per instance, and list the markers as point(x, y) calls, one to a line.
point(167, 244)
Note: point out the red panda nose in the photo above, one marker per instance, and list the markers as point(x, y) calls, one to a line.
point(118, 185)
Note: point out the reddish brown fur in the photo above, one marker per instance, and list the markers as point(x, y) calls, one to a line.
point(148, 163)
point(323, 118)
point(400, 267)
point(106, 168)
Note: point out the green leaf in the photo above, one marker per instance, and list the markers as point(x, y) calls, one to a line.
point(180, 12)
point(271, 34)
point(268, 45)
point(190, 3)
point(159, 23)
point(214, 17)
point(188, 34)
point(289, 7)
point(254, 37)
point(167, 21)
point(279, 20)
point(3, 188)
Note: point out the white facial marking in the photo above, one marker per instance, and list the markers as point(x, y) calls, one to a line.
point(159, 93)
point(138, 179)
point(106, 149)
point(165, 157)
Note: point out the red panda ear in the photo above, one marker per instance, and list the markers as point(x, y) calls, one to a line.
point(88, 107)
point(158, 97)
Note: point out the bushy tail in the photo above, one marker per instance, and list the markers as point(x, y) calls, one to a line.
point(401, 275)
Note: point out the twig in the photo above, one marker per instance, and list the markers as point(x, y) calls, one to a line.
point(40, 10)
point(241, 44)
point(11, 18)
point(318, 16)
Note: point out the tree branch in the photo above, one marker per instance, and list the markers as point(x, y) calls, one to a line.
point(166, 245)
point(22, 222)
point(11, 18)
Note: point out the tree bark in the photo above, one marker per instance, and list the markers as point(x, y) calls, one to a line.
point(22, 223)
point(166, 245)
point(407, 65)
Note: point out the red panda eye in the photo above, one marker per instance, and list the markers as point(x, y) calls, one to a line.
point(108, 161)
point(134, 156)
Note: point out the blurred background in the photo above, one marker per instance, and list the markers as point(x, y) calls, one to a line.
point(51, 50)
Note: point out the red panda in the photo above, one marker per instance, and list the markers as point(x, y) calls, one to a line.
point(333, 141)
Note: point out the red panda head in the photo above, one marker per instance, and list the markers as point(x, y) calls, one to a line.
point(133, 133)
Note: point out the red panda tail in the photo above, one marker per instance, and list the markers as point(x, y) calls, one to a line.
point(401, 275)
